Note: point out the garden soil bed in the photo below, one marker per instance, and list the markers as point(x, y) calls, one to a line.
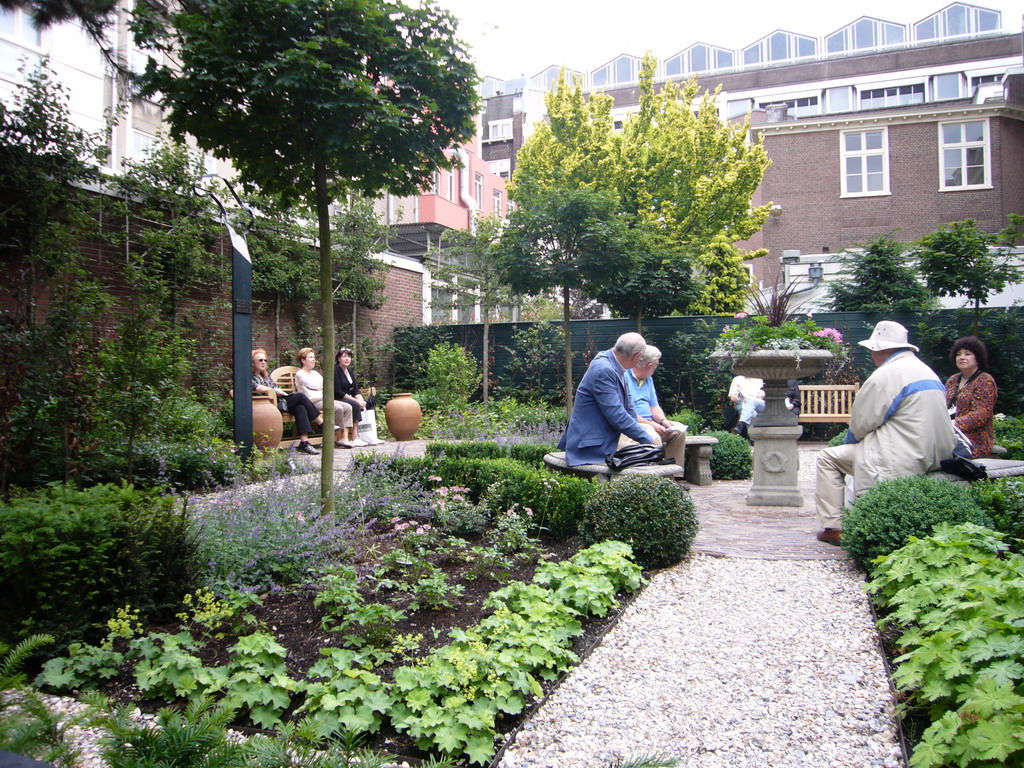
point(295, 622)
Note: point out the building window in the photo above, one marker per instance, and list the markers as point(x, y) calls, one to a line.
point(896, 96)
point(804, 107)
point(435, 183)
point(502, 168)
point(964, 151)
point(838, 99)
point(496, 200)
point(478, 190)
point(499, 129)
point(948, 86)
point(982, 79)
point(865, 159)
point(16, 32)
point(737, 108)
point(142, 144)
point(449, 188)
point(865, 33)
point(958, 19)
point(778, 47)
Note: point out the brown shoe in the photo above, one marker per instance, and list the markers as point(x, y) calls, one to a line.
point(829, 536)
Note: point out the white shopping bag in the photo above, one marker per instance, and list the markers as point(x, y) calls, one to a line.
point(368, 427)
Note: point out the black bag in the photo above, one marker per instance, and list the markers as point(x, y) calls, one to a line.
point(638, 455)
point(282, 403)
point(964, 467)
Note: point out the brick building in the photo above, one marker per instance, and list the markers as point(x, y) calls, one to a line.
point(870, 128)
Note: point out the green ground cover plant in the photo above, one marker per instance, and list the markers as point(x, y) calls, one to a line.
point(955, 598)
point(1003, 499)
point(885, 517)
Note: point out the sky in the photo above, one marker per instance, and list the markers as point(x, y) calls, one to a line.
point(512, 38)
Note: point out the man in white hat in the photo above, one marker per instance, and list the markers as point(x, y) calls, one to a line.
point(899, 426)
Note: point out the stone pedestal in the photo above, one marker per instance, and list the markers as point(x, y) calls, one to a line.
point(776, 464)
point(775, 430)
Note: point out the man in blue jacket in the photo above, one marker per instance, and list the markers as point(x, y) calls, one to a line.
point(603, 409)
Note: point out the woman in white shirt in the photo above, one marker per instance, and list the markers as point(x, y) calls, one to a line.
point(310, 382)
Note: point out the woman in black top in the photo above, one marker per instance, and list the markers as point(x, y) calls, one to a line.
point(346, 387)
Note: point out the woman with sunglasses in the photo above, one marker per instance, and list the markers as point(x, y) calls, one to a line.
point(299, 406)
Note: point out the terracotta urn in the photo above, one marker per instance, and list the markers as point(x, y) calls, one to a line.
point(266, 424)
point(403, 415)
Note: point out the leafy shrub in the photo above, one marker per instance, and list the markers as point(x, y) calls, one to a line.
point(452, 375)
point(528, 453)
point(732, 458)
point(886, 516)
point(556, 500)
point(185, 466)
point(651, 514)
point(956, 596)
point(69, 559)
point(503, 421)
point(690, 418)
point(1010, 435)
point(1003, 499)
point(839, 439)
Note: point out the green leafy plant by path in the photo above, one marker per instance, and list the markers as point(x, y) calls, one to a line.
point(1003, 499)
point(886, 516)
point(958, 597)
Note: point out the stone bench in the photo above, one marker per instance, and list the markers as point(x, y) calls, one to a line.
point(996, 468)
point(697, 470)
point(604, 473)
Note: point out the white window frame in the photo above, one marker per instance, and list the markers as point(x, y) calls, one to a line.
point(499, 129)
point(893, 100)
point(935, 86)
point(985, 144)
point(844, 154)
point(142, 144)
point(478, 190)
point(496, 200)
point(24, 44)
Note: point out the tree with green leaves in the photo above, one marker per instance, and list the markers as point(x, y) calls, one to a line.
point(467, 267)
point(357, 236)
point(564, 239)
point(658, 281)
point(960, 260)
point(679, 168)
point(725, 280)
point(880, 278)
point(315, 100)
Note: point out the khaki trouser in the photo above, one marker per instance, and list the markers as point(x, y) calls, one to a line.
point(675, 448)
point(342, 412)
point(835, 465)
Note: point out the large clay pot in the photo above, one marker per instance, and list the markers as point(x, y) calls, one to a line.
point(266, 424)
point(403, 415)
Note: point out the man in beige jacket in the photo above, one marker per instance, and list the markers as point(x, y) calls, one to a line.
point(899, 426)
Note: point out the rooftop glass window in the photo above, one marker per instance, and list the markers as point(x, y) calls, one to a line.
point(865, 33)
point(624, 69)
point(699, 58)
point(958, 19)
point(780, 46)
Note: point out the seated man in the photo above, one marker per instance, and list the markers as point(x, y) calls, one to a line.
point(748, 396)
point(899, 427)
point(603, 409)
point(659, 429)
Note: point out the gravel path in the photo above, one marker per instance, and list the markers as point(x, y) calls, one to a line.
point(727, 662)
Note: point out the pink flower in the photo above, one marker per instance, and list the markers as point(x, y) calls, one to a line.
point(434, 478)
point(442, 491)
point(740, 314)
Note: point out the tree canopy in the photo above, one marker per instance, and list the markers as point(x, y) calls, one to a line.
point(315, 99)
point(881, 278)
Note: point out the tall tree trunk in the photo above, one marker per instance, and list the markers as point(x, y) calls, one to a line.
point(277, 323)
point(567, 332)
point(486, 362)
point(640, 321)
point(327, 318)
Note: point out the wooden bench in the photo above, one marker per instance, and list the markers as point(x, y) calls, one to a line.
point(284, 378)
point(827, 402)
point(697, 470)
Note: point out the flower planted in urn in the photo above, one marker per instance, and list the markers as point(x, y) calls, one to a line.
point(754, 334)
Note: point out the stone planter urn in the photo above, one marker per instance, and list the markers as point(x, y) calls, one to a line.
point(403, 415)
point(267, 425)
point(775, 430)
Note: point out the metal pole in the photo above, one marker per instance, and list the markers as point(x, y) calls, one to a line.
point(241, 321)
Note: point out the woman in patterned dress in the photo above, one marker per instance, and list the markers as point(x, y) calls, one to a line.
point(971, 394)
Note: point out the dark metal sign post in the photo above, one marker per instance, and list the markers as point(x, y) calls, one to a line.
point(241, 320)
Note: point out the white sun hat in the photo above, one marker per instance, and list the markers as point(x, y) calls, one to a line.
point(888, 335)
